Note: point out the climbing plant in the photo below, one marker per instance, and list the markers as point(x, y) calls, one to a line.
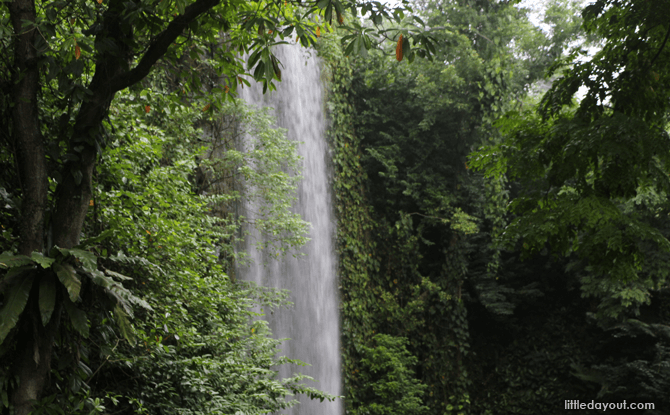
point(355, 246)
point(431, 220)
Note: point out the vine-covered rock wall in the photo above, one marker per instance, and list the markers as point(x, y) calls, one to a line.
point(393, 342)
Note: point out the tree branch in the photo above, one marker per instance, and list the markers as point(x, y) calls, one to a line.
point(161, 44)
point(75, 192)
point(667, 35)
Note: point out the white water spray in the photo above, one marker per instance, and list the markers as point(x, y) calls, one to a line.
point(313, 323)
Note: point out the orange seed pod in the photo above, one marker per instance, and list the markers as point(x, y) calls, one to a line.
point(398, 49)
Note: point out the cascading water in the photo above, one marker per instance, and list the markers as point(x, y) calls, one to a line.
point(312, 323)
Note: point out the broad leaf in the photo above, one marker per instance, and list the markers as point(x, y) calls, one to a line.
point(47, 297)
point(88, 259)
point(91, 241)
point(124, 324)
point(42, 260)
point(68, 277)
point(16, 300)
point(77, 317)
point(17, 270)
point(9, 260)
point(99, 279)
point(117, 275)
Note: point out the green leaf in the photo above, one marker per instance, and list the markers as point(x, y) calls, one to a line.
point(405, 47)
point(47, 297)
point(100, 279)
point(16, 300)
point(117, 275)
point(77, 317)
point(9, 260)
point(88, 259)
point(96, 239)
point(68, 277)
point(124, 324)
point(42, 260)
point(17, 270)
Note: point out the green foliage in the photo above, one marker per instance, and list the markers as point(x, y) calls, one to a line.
point(70, 74)
point(589, 186)
point(47, 299)
point(423, 255)
point(580, 169)
point(15, 302)
point(69, 279)
point(158, 326)
point(390, 385)
point(20, 279)
point(197, 352)
point(645, 377)
point(239, 157)
point(354, 244)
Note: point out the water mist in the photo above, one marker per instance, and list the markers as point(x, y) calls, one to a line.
point(312, 323)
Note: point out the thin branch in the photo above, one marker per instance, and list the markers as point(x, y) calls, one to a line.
point(667, 35)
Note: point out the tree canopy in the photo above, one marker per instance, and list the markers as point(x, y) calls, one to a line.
point(519, 243)
point(591, 168)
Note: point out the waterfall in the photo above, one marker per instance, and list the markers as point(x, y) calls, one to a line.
point(312, 324)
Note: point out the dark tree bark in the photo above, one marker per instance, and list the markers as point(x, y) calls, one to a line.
point(33, 363)
point(27, 136)
point(33, 340)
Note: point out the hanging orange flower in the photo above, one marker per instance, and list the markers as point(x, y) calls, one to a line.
point(318, 31)
point(147, 108)
point(77, 52)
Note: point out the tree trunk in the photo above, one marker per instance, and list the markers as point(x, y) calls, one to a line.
point(26, 134)
point(32, 365)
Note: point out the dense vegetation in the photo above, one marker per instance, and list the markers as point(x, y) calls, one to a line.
point(500, 251)
point(534, 269)
point(118, 138)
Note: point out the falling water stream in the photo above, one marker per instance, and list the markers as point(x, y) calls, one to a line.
point(312, 323)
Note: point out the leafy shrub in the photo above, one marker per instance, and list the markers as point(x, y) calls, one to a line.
point(390, 385)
